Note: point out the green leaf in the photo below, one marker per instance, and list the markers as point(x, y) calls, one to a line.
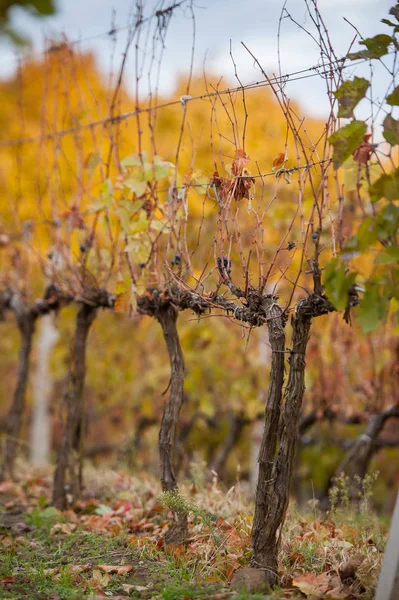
point(346, 140)
point(140, 250)
point(356, 176)
point(102, 509)
point(349, 95)
point(122, 285)
point(136, 183)
point(124, 218)
point(377, 47)
point(367, 234)
point(391, 130)
point(388, 220)
point(134, 160)
point(387, 186)
point(337, 283)
point(160, 226)
point(393, 98)
point(139, 225)
point(106, 197)
point(389, 256)
point(372, 309)
point(387, 22)
point(91, 162)
point(162, 168)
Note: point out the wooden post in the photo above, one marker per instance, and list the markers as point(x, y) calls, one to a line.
point(388, 584)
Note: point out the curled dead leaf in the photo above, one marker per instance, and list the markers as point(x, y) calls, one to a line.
point(363, 152)
point(279, 160)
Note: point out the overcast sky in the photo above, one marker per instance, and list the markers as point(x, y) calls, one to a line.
point(254, 22)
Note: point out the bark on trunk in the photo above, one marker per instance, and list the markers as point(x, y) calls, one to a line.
point(263, 536)
point(68, 472)
point(40, 435)
point(167, 317)
point(357, 461)
point(275, 466)
point(26, 324)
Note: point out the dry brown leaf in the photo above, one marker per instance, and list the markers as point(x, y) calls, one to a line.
point(7, 580)
point(279, 160)
point(363, 153)
point(65, 528)
point(128, 587)
point(239, 162)
point(116, 569)
point(311, 584)
point(338, 593)
point(79, 568)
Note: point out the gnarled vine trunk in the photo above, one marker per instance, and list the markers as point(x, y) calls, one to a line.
point(68, 472)
point(167, 317)
point(356, 463)
point(26, 324)
point(263, 536)
point(281, 429)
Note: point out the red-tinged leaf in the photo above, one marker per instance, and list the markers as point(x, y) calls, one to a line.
point(71, 516)
point(239, 162)
point(11, 489)
point(222, 524)
point(279, 160)
point(296, 558)
point(311, 584)
point(7, 580)
point(363, 153)
point(74, 218)
point(346, 140)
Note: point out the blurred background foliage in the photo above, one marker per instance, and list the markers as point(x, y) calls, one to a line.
point(349, 373)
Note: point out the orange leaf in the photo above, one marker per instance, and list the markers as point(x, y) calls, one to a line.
point(279, 160)
point(122, 302)
point(7, 580)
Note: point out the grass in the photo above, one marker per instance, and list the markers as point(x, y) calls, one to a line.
point(111, 545)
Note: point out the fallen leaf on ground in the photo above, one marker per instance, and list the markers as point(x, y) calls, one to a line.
point(79, 568)
point(65, 528)
point(311, 584)
point(348, 569)
point(116, 569)
point(7, 580)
